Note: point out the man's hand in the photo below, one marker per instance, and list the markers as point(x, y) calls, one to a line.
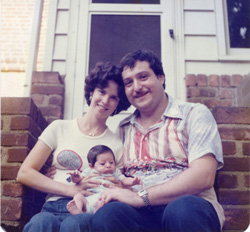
point(123, 195)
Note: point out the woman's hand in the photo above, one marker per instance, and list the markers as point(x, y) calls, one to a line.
point(89, 182)
point(123, 195)
point(74, 189)
point(50, 172)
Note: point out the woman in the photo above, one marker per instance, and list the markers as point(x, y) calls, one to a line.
point(70, 141)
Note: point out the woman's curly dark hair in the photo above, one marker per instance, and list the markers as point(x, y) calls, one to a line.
point(99, 77)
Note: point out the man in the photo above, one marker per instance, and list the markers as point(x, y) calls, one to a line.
point(173, 144)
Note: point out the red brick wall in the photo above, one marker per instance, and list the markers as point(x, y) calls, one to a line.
point(22, 121)
point(21, 124)
point(219, 94)
point(233, 181)
point(213, 90)
point(48, 94)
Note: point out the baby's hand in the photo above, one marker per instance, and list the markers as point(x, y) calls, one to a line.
point(75, 176)
point(136, 181)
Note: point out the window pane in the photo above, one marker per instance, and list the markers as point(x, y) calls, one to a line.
point(239, 23)
point(128, 1)
point(113, 36)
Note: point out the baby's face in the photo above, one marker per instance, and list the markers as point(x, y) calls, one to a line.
point(105, 163)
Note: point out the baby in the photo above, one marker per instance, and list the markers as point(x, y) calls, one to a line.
point(102, 161)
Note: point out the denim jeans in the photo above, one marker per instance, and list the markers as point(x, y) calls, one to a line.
point(184, 214)
point(54, 217)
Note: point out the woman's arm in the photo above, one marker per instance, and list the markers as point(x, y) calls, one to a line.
point(29, 174)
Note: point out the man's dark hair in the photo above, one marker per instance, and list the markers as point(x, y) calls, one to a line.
point(99, 77)
point(97, 150)
point(130, 59)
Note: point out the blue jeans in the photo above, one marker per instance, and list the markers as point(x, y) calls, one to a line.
point(185, 214)
point(54, 217)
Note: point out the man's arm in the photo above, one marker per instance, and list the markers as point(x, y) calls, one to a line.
point(198, 177)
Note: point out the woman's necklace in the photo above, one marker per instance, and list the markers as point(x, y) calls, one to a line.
point(86, 129)
point(93, 133)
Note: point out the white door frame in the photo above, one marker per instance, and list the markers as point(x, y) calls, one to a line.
point(172, 49)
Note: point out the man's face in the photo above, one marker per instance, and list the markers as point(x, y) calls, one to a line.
point(143, 88)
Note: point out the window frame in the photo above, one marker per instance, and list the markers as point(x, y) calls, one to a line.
point(224, 51)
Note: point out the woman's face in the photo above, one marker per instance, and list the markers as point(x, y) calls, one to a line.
point(104, 101)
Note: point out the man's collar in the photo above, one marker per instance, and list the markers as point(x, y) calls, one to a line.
point(173, 110)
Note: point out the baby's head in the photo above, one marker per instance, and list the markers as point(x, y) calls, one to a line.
point(102, 159)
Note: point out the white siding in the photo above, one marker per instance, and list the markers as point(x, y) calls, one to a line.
point(60, 51)
point(202, 41)
point(64, 4)
point(219, 68)
point(59, 66)
point(201, 48)
point(199, 4)
point(199, 23)
point(62, 22)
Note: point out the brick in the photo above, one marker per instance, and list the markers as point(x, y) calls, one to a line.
point(236, 80)
point(38, 99)
point(11, 209)
point(25, 123)
point(193, 92)
point(234, 133)
point(207, 92)
point(236, 164)
point(56, 100)
point(225, 81)
point(16, 105)
point(233, 197)
point(17, 139)
point(211, 103)
point(246, 148)
point(227, 181)
point(229, 148)
point(247, 180)
point(227, 94)
point(9, 172)
point(20, 123)
point(51, 111)
point(47, 89)
point(226, 103)
point(213, 80)
point(201, 80)
point(232, 115)
point(190, 80)
point(236, 219)
point(17, 154)
point(13, 189)
point(46, 77)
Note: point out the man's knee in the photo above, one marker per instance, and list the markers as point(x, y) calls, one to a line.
point(182, 206)
point(190, 213)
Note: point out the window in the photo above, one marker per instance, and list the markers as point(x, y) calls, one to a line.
point(233, 29)
point(113, 36)
point(238, 15)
